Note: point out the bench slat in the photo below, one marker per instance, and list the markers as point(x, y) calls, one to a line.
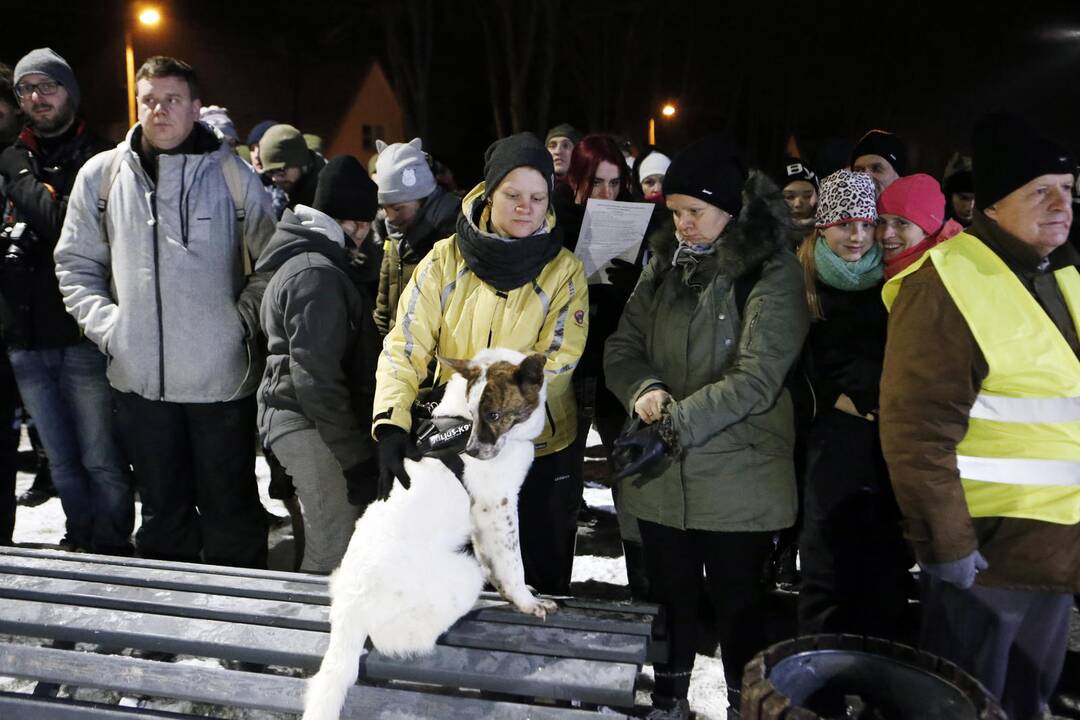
point(609, 683)
point(317, 581)
point(282, 575)
point(489, 608)
point(189, 581)
point(547, 641)
point(256, 691)
point(18, 705)
point(515, 674)
point(544, 640)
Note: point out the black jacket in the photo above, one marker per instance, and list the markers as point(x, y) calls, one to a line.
point(321, 340)
point(32, 315)
point(845, 351)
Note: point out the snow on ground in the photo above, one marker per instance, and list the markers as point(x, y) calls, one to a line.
point(44, 524)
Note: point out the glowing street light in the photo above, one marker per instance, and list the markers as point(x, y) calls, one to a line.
point(148, 17)
point(668, 111)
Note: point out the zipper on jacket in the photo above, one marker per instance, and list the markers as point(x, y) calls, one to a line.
point(183, 202)
point(550, 417)
point(491, 329)
point(157, 294)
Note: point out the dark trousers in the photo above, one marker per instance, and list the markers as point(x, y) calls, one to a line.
point(195, 471)
point(9, 455)
point(1012, 641)
point(548, 508)
point(732, 562)
point(855, 561)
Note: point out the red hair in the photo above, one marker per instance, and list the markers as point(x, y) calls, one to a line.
point(588, 153)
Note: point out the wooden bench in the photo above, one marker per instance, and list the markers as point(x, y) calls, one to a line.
point(494, 663)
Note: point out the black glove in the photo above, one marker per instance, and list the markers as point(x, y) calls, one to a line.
point(394, 446)
point(640, 450)
point(15, 162)
point(362, 482)
point(281, 483)
point(623, 275)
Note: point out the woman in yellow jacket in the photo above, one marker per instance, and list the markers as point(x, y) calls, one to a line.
point(503, 280)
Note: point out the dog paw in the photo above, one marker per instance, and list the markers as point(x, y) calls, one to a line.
point(539, 607)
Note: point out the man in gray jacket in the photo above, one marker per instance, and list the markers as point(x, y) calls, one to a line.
point(154, 263)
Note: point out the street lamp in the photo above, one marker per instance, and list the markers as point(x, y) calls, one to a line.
point(668, 111)
point(148, 17)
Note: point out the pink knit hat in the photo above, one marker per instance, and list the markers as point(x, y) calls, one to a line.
point(917, 198)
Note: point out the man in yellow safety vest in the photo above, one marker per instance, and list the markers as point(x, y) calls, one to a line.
point(980, 420)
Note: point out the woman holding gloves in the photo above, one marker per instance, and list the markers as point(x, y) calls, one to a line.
point(702, 349)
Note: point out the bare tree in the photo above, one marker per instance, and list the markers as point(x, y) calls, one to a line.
point(409, 28)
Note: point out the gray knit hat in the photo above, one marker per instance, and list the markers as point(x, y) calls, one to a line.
point(402, 172)
point(47, 62)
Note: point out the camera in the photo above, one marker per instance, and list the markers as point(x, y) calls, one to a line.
point(17, 240)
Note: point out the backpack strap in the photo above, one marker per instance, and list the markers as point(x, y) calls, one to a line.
point(235, 181)
point(108, 177)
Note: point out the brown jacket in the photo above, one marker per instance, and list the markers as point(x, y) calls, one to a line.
point(933, 371)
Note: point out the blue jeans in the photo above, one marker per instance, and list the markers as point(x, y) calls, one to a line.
point(65, 391)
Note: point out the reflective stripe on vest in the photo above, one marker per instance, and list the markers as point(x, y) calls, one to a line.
point(1021, 454)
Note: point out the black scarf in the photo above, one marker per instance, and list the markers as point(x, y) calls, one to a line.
point(506, 264)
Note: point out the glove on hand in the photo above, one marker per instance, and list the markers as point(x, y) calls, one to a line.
point(960, 573)
point(623, 275)
point(15, 162)
point(393, 446)
point(362, 482)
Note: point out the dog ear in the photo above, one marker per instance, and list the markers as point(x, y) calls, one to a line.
point(464, 368)
point(531, 370)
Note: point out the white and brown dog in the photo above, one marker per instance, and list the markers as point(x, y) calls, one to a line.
point(405, 578)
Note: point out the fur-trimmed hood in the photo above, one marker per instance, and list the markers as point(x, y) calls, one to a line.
point(760, 230)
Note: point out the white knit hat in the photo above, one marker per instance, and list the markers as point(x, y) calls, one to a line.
point(402, 172)
point(655, 163)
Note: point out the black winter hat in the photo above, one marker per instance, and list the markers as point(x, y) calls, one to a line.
point(521, 150)
point(1008, 153)
point(885, 144)
point(794, 170)
point(259, 130)
point(345, 192)
point(709, 169)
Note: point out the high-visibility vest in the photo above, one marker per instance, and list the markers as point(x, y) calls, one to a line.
point(1021, 454)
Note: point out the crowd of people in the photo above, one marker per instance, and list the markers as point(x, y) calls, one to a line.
point(863, 371)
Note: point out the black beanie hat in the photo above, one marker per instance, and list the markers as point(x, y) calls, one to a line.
point(794, 170)
point(710, 169)
point(1007, 153)
point(885, 144)
point(521, 150)
point(345, 192)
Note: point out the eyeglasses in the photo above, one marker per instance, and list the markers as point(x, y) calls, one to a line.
point(25, 90)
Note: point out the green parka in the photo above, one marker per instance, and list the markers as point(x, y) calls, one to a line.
point(724, 367)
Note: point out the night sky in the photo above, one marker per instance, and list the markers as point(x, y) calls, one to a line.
point(762, 71)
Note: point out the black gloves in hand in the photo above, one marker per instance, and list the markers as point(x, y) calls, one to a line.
point(623, 275)
point(362, 482)
point(15, 162)
point(641, 450)
point(393, 445)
